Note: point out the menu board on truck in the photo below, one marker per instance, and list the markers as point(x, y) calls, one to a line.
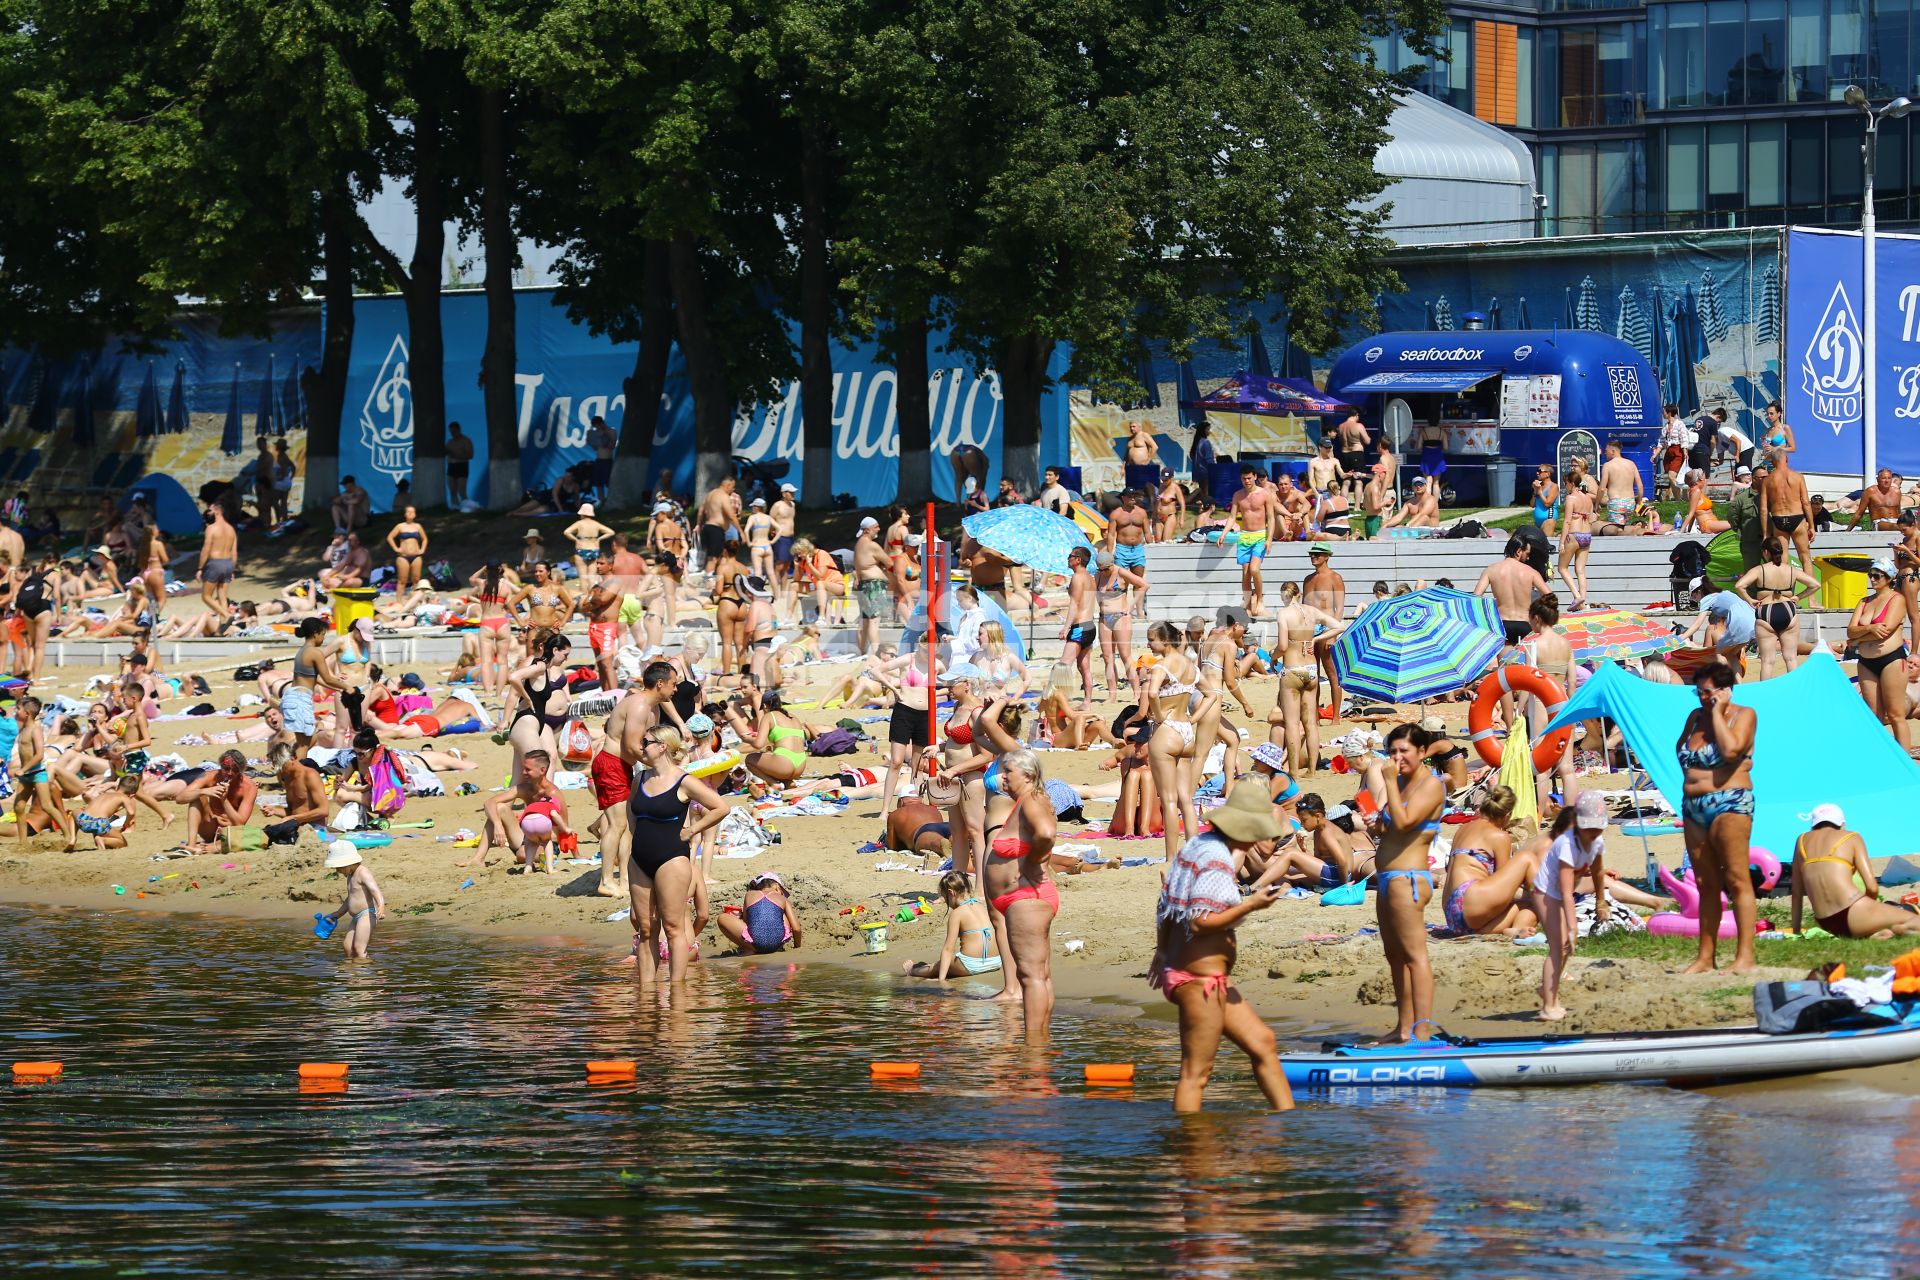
point(1543, 402)
point(1513, 404)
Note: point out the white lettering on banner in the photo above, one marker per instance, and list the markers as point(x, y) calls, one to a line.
point(590, 408)
point(770, 430)
point(386, 420)
point(882, 380)
point(1831, 367)
point(527, 384)
point(1907, 379)
point(1445, 353)
point(548, 433)
point(1910, 313)
point(991, 381)
point(570, 432)
point(845, 443)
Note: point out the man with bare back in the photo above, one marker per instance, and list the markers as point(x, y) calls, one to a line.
point(719, 511)
point(1785, 512)
point(1513, 584)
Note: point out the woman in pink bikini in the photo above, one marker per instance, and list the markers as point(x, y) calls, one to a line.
point(1019, 886)
point(1200, 904)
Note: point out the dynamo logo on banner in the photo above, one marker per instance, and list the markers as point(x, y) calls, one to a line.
point(386, 419)
point(1833, 363)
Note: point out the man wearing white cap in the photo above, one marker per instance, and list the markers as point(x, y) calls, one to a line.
point(364, 901)
point(783, 513)
point(870, 583)
point(1830, 867)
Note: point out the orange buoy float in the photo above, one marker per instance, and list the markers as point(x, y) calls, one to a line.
point(1517, 679)
point(611, 1069)
point(896, 1070)
point(323, 1071)
point(1109, 1073)
point(37, 1071)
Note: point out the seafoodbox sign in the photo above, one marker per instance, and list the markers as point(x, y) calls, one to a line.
point(1824, 368)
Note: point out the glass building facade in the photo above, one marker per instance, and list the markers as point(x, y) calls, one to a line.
point(1673, 116)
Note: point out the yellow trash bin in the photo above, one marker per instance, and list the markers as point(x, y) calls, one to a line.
point(350, 604)
point(1843, 580)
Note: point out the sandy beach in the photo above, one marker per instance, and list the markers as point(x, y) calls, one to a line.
point(1310, 969)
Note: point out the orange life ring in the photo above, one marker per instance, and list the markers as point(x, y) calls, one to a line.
point(1516, 679)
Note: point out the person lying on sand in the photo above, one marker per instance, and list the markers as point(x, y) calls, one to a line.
point(1830, 867)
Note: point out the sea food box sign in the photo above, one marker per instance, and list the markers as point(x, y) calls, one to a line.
point(1824, 368)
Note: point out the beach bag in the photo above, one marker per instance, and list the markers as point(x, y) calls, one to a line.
point(283, 832)
point(941, 793)
point(386, 787)
point(834, 742)
point(576, 742)
point(243, 839)
point(1788, 1008)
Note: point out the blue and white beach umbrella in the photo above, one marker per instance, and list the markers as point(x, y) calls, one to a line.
point(1028, 535)
point(1412, 647)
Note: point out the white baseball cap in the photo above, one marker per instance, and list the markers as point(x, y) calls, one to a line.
point(1826, 815)
point(788, 488)
point(1589, 811)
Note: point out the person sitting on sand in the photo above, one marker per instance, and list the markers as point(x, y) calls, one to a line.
point(1326, 859)
point(364, 901)
point(222, 798)
point(1200, 905)
point(103, 806)
point(1830, 868)
point(766, 921)
point(777, 742)
point(1072, 729)
point(305, 792)
point(502, 826)
point(1484, 873)
point(969, 942)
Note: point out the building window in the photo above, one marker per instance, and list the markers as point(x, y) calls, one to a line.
point(1495, 72)
point(1807, 50)
point(1846, 59)
point(1766, 171)
point(1724, 189)
point(1621, 180)
point(1683, 170)
point(1683, 56)
point(1764, 69)
point(1891, 67)
point(1523, 77)
point(1806, 169)
point(1726, 52)
point(1845, 176)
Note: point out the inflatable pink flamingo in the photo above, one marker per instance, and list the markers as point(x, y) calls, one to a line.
point(1685, 923)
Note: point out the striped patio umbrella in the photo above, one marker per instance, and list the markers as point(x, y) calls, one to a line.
point(1616, 633)
point(1028, 535)
point(1418, 646)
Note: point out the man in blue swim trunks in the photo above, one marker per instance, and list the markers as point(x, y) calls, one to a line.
point(1127, 531)
point(1080, 635)
point(1252, 514)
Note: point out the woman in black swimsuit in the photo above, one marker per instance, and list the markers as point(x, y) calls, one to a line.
point(408, 539)
point(660, 876)
point(542, 689)
point(1776, 590)
point(1874, 632)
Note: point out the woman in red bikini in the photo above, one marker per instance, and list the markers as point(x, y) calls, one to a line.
point(1018, 884)
point(967, 815)
point(491, 583)
point(1200, 904)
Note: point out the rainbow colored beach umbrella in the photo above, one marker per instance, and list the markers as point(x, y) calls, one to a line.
point(1616, 633)
point(1418, 646)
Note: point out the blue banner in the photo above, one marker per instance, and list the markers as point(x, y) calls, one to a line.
point(1826, 365)
point(566, 376)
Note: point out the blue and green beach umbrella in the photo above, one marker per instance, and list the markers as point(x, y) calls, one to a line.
point(1418, 646)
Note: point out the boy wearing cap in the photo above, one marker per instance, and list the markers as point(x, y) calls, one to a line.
point(363, 901)
point(1200, 905)
point(1827, 861)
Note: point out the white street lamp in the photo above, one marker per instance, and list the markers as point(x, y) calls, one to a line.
point(1856, 97)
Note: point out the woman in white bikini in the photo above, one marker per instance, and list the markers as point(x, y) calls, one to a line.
point(1177, 707)
point(1294, 715)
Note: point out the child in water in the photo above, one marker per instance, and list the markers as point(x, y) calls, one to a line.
point(364, 901)
point(969, 944)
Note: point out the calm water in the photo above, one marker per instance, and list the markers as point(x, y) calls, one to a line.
point(469, 1143)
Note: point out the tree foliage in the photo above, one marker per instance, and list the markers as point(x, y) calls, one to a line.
point(1029, 176)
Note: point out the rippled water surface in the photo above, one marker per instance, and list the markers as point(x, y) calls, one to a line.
point(470, 1142)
